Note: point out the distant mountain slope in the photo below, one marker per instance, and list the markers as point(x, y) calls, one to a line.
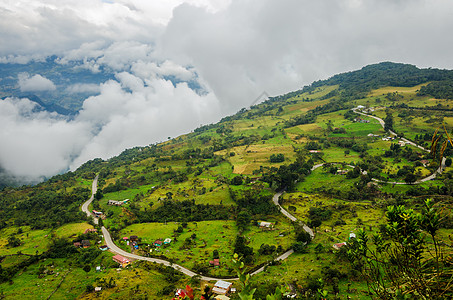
point(357, 84)
point(352, 85)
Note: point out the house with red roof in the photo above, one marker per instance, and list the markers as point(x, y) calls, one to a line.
point(121, 260)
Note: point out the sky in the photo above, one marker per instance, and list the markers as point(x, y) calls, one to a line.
point(232, 49)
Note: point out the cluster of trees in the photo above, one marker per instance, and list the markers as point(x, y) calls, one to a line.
point(277, 158)
point(183, 211)
point(406, 260)
point(42, 207)
point(358, 83)
point(286, 176)
point(349, 144)
point(438, 89)
point(255, 202)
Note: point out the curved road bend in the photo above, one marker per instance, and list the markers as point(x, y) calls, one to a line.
point(430, 177)
point(291, 217)
point(94, 188)
point(391, 132)
point(114, 248)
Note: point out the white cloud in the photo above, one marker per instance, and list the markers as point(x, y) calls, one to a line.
point(278, 46)
point(35, 83)
point(126, 113)
point(37, 144)
point(143, 115)
point(83, 88)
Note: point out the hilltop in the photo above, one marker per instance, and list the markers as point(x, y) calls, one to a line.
point(210, 192)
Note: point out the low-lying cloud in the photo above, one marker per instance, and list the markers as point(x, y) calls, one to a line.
point(35, 83)
point(128, 111)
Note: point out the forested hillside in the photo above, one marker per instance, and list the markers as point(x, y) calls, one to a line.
point(347, 158)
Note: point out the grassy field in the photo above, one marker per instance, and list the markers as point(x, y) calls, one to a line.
point(321, 178)
point(33, 241)
point(250, 158)
point(73, 280)
point(193, 248)
point(71, 230)
point(210, 236)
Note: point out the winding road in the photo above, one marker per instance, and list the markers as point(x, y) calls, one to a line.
point(94, 188)
point(430, 177)
point(115, 249)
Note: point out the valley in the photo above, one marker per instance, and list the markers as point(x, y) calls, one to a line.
point(298, 186)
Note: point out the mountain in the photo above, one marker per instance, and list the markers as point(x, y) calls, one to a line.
point(216, 191)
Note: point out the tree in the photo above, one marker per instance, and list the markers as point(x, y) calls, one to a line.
point(448, 162)
point(410, 178)
point(303, 237)
point(237, 180)
point(89, 288)
point(409, 262)
point(243, 220)
point(98, 195)
point(277, 158)
point(242, 249)
point(13, 241)
point(388, 121)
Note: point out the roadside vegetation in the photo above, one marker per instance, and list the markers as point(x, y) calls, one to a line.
point(209, 191)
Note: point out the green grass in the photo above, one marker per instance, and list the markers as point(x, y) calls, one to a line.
point(336, 154)
point(321, 178)
point(27, 284)
point(71, 230)
point(210, 236)
point(33, 241)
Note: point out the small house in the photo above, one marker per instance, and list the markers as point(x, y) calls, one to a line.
point(337, 246)
point(133, 238)
point(157, 243)
point(342, 172)
point(86, 243)
point(89, 230)
point(352, 236)
point(215, 262)
point(97, 213)
point(77, 244)
point(121, 260)
point(425, 162)
point(98, 289)
point(167, 241)
point(221, 297)
point(114, 202)
point(104, 248)
point(222, 287)
point(265, 225)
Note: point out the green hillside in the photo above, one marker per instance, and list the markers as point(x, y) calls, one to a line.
point(209, 190)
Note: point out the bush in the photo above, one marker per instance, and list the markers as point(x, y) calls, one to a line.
point(277, 158)
point(236, 180)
